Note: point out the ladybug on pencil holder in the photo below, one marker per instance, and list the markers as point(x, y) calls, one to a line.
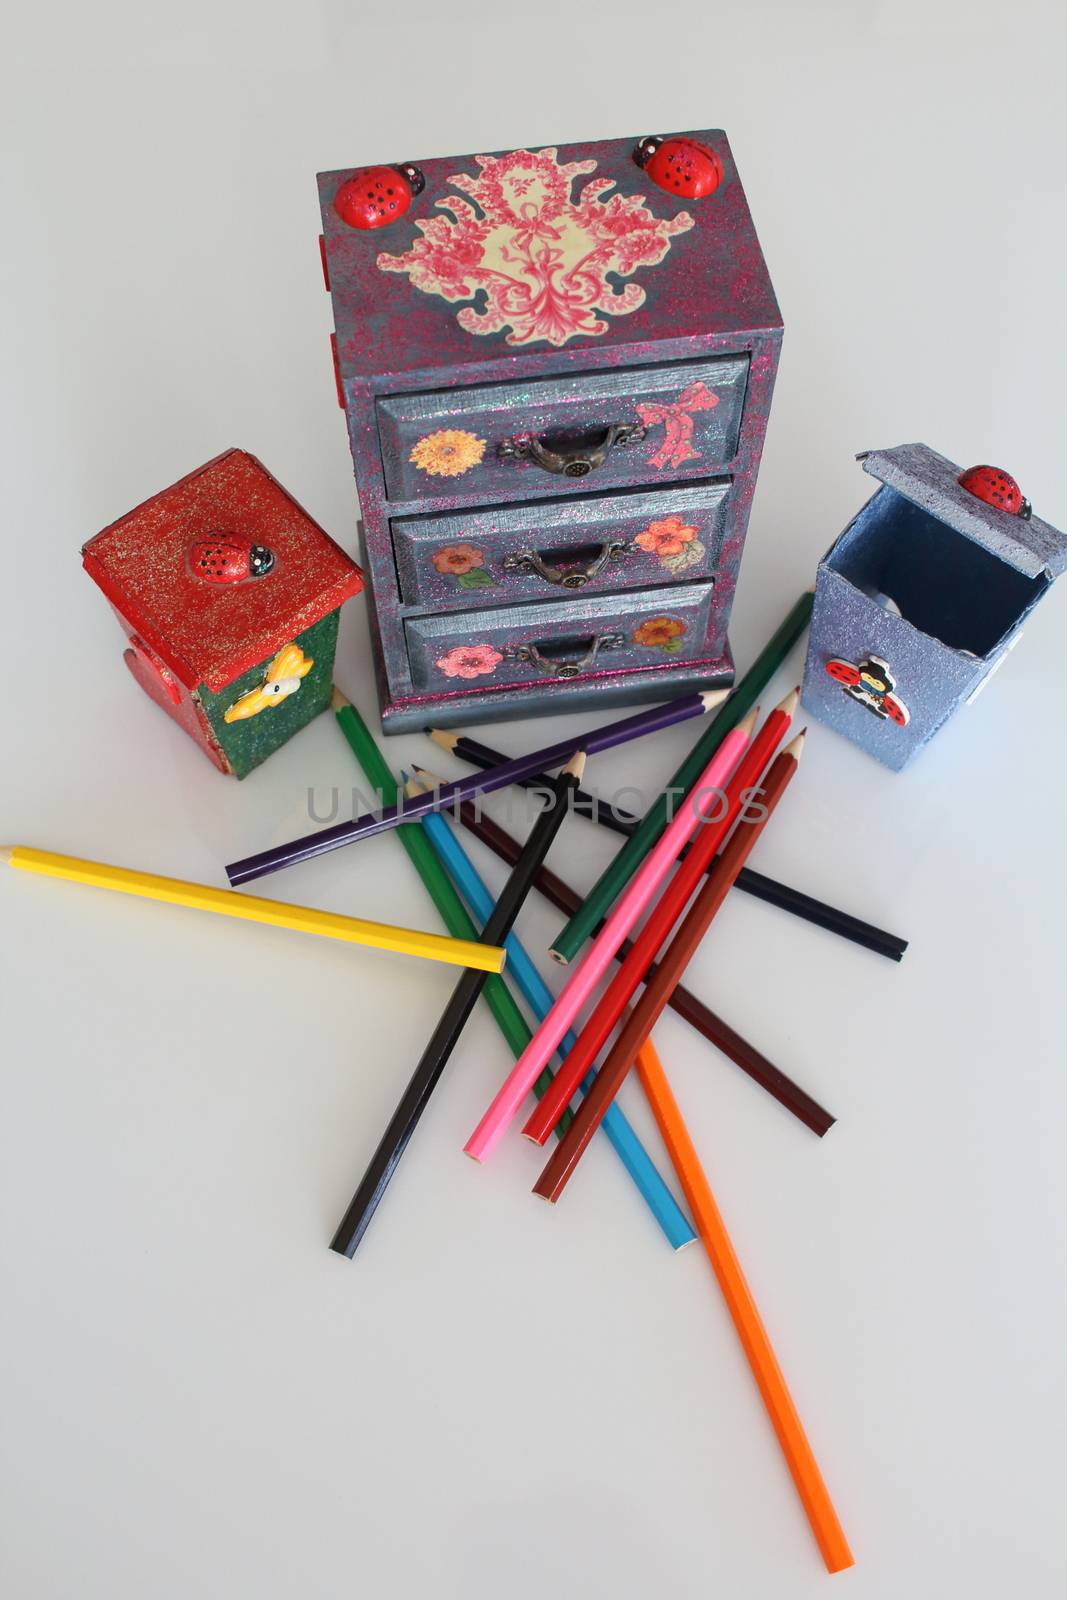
point(871, 684)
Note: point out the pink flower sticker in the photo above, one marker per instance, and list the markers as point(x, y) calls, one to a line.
point(470, 661)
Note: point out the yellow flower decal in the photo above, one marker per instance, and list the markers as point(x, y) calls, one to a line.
point(661, 633)
point(448, 453)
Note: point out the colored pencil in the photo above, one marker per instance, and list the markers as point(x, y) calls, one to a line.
point(617, 874)
point(469, 953)
point(498, 997)
point(753, 1336)
point(446, 1035)
point(679, 952)
point(662, 918)
point(699, 1016)
point(538, 996)
point(598, 957)
point(617, 820)
point(597, 739)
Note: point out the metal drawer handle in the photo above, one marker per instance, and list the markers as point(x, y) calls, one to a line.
point(565, 668)
point(567, 577)
point(572, 461)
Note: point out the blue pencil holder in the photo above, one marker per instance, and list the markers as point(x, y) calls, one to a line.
point(921, 599)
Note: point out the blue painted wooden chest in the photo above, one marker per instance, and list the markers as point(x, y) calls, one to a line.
point(920, 600)
point(556, 367)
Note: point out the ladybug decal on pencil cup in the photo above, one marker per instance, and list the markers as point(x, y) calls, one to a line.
point(872, 684)
point(997, 488)
point(227, 558)
point(373, 197)
point(683, 167)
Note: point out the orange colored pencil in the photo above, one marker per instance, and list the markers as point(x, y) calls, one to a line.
point(755, 1342)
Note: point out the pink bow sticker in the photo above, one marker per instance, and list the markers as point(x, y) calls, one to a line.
point(677, 420)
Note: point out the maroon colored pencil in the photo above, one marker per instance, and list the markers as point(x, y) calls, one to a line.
point(699, 1016)
point(642, 1019)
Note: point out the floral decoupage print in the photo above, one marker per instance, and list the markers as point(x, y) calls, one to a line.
point(470, 661)
point(448, 453)
point(661, 633)
point(675, 543)
point(677, 419)
point(465, 563)
point(540, 259)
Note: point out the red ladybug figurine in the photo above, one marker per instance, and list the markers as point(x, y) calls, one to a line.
point(226, 558)
point(683, 167)
point(374, 197)
point(997, 488)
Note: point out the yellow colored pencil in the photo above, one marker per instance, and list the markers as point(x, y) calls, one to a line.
point(229, 903)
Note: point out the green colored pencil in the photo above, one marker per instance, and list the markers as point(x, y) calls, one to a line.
point(617, 874)
point(496, 994)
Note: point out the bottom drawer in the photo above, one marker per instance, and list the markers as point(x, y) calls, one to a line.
point(549, 642)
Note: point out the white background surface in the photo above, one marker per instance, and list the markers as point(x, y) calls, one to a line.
point(496, 1398)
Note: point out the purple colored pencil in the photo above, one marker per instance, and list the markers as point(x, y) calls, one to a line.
point(342, 833)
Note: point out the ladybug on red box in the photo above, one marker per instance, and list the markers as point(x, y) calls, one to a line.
point(229, 595)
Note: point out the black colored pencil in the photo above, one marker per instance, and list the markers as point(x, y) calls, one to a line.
point(445, 1036)
point(616, 820)
point(685, 1003)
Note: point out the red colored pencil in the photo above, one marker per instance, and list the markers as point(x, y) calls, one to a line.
point(653, 1002)
point(666, 912)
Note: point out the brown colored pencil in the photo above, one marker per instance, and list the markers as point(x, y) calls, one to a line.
point(642, 1019)
point(699, 1016)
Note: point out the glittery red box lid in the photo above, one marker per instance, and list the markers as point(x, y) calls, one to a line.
point(207, 633)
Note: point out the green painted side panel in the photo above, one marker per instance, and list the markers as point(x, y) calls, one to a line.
point(248, 743)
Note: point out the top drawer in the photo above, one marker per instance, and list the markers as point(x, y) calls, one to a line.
point(607, 428)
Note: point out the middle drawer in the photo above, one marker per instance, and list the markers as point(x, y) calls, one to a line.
point(550, 548)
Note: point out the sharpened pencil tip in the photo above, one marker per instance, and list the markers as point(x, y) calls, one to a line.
point(427, 780)
point(338, 700)
point(412, 787)
point(795, 746)
point(6, 852)
point(747, 724)
point(576, 765)
point(447, 741)
point(714, 697)
point(790, 703)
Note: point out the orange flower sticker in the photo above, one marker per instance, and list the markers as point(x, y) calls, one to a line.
point(458, 558)
point(666, 538)
point(448, 453)
point(661, 633)
point(465, 563)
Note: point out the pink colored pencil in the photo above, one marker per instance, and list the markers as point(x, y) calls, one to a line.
point(602, 951)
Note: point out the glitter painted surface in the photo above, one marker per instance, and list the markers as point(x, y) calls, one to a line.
point(208, 633)
point(245, 744)
point(689, 267)
point(690, 359)
point(964, 581)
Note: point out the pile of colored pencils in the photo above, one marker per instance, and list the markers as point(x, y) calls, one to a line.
point(635, 935)
point(649, 913)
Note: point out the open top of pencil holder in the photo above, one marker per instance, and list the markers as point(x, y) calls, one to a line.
point(921, 598)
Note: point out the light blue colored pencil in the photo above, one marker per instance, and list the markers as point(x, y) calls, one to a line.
point(539, 997)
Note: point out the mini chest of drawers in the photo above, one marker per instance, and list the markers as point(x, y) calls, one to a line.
point(556, 372)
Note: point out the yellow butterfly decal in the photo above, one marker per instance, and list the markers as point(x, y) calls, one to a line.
point(282, 679)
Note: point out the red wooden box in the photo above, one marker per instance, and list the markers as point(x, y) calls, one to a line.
point(230, 595)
